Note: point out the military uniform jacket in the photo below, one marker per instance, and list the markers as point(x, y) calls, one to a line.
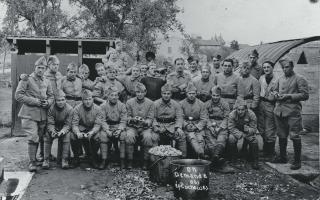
point(87, 84)
point(170, 110)
point(204, 87)
point(29, 92)
point(236, 123)
point(55, 79)
point(59, 119)
point(229, 85)
point(177, 80)
point(129, 83)
point(195, 110)
point(267, 90)
point(72, 88)
point(256, 71)
point(114, 115)
point(297, 87)
point(218, 112)
point(102, 87)
point(144, 109)
point(86, 119)
point(249, 90)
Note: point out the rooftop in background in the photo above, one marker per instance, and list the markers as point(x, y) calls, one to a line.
point(10, 38)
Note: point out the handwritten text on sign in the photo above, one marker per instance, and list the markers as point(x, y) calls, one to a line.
point(191, 179)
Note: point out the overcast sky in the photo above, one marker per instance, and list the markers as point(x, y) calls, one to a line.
point(248, 21)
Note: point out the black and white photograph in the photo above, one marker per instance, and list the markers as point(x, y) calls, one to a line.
point(159, 99)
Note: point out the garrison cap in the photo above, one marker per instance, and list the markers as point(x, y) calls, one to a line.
point(285, 60)
point(59, 93)
point(86, 94)
point(166, 87)
point(84, 67)
point(191, 87)
point(72, 66)
point(111, 50)
point(254, 52)
point(53, 59)
point(140, 87)
point(216, 90)
point(41, 61)
point(240, 102)
point(206, 67)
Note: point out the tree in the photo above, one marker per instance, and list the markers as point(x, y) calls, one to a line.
point(42, 18)
point(234, 45)
point(137, 21)
point(189, 45)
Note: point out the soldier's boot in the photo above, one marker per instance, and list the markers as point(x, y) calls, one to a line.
point(282, 158)
point(146, 157)
point(32, 151)
point(41, 153)
point(122, 154)
point(104, 155)
point(75, 146)
point(65, 151)
point(233, 151)
point(216, 154)
point(255, 155)
point(244, 149)
point(129, 152)
point(297, 154)
point(47, 151)
point(270, 152)
point(182, 146)
point(93, 154)
point(59, 152)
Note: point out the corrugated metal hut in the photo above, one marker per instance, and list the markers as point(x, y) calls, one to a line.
point(27, 49)
point(305, 53)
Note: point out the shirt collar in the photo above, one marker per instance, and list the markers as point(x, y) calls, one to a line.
point(37, 78)
point(165, 104)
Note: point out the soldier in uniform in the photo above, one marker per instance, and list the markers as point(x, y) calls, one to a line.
point(256, 69)
point(58, 126)
point(179, 80)
point(36, 95)
point(114, 114)
point(228, 82)
point(169, 120)
point(84, 74)
point(292, 89)
point(216, 133)
point(216, 68)
point(129, 82)
point(242, 123)
point(194, 68)
point(52, 74)
point(140, 117)
point(72, 85)
point(86, 124)
point(266, 121)
point(195, 118)
point(205, 84)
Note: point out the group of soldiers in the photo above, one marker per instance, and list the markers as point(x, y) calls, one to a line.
point(201, 110)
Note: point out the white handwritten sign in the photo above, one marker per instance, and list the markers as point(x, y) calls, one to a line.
point(190, 178)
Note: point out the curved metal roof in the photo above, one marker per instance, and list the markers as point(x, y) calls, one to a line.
point(271, 51)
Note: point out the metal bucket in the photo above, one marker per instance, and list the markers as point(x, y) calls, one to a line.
point(191, 178)
point(159, 170)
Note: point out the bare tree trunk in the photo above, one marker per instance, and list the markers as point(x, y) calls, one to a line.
point(4, 60)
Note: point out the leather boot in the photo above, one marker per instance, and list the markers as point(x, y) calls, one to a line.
point(129, 152)
point(47, 151)
point(41, 153)
point(182, 146)
point(297, 154)
point(75, 146)
point(64, 163)
point(122, 163)
point(255, 155)
point(146, 157)
point(217, 153)
point(65, 150)
point(32, 151)
point(244, 149)
point(283, 152)
point(122, 150)
point(233, 151)
point(104, 155)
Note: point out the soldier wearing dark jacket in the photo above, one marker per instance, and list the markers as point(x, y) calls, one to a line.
point(36, 95)
point(291, 90)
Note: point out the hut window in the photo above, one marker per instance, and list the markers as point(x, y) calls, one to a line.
point(302, 59)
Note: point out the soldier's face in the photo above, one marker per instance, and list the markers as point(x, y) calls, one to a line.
point(71, 73)
point(267, 68)
point(84, 74)
point(166, 95)
point(135, 72)
point(191, 95)
point(152, 69)
point(101, 71)
point(140, 94)
point(205, 73)
point(227, 67)
point(253, 59)
point(193, 66)
point(111, 74)
point(216, 62)
point(144, 69)
point(87, 102)
point(245, 69)
point(61, 102)
point(113, 97)
point(287, 68)
point(241, 110)
point(179, 66)
point(54, 66)
point(39, 70)
point(215, 97)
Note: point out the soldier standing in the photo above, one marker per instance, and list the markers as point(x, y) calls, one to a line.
point(58, 126)
point(256, 69)
point(140, 117)
point(216, 69)
point(114, 116)
point(266, 118)
point(292, 88)
point(228, 82)
point(72, 85)
point(36, 95)
point(194, 68)
point(129, 82)
point(53, 74)
point(179, 80)
point(242, 123)
point(86, 123)
point(84, 74)
point(205, 84)
point(195, 118)
point(168, 120)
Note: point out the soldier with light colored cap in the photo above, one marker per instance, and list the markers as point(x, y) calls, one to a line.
point(36, 95)
point(53, 74)
point(195, 118)
point(72, 85)
point(242, 123)
point(114, 116)
point(169, 120)
point(58, 126)
point(290, 91)
point(140, 117)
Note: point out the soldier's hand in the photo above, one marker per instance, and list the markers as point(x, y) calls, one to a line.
point(179, 131)
point(80, 135)
point(53, 134)
point(24, 77)
point(44, 103)
point(117, 133)
point(109, 133)
point(246, 128)
point(90, 134)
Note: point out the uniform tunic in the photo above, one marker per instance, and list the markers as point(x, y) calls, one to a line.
point(102, 87)
point(72, 89)
point(256, 71)
point(85, 120)
point(129, 83)
point(54, 78)
point(249, 90)
point(178, 83)
point(288, 112)
point(203, 88)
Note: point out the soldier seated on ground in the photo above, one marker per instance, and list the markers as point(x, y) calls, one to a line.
point(58, 126)
point(242, 123)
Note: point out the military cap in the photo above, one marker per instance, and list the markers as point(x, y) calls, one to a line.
point(140, 87)
point(191, 87)
point(84, 68)
point(72, 66)
point(166, 87)
point(254, 52)
point(240, 102)
point(97, 65)
point(112, 90)
point(285, 60)
point(59, 93)
point(111, 50)
point(216, 90)
point(86, 94)
point(151, 55)
point(41, 61)
point(53, 59)
point(206, 67)
point(245, 63)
